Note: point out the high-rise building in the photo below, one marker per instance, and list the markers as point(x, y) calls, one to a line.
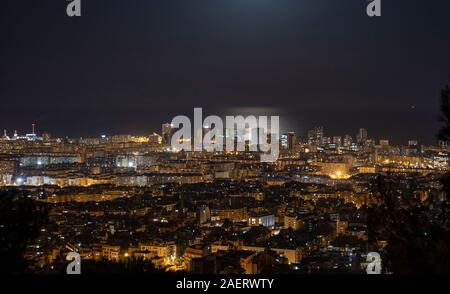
point(348, 140)
point(284, 141)
point(315, 136)
point(292, 140)
point(288, 140)
point(326, 141)
point(362, 136)
point(167, 132)
point(337, 140)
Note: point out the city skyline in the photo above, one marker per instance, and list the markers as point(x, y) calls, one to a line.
point(224, 143)
point(302, 138)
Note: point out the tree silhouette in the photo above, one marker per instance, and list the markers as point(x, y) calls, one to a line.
point(20, 220)
point(417, 239)
point(417, 231)
point(444, 135)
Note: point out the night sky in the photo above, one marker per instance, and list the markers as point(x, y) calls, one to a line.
point(126, 66)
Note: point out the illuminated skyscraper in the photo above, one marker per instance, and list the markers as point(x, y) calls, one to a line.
point(288, 141)
point(315, 136)
point(167, 132)
point(362, 136)
point(337, 140)
point(348, 140)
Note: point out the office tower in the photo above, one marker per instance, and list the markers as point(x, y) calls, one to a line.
point(288, 140)
point(337, 140)
point(361, 137)
point(292, 140)
point(167, 132)
point(348, 140)
point(284, 141)
point(315, 136)
point(326, 141)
